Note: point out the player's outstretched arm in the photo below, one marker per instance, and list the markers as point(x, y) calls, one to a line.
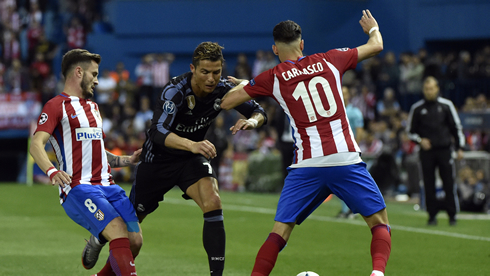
point(123, 161)
point(235, 97)
point(374, 44)
point(255, 121)
point(37, 151)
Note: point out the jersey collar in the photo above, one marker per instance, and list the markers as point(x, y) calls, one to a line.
point(294, 62)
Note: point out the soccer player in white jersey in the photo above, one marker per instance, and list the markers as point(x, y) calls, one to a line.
point(326, 157)
point(72, 124)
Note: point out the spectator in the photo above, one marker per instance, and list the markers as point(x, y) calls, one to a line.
point(389, 72)
point(40, 71)
point(11, 47)
point(142, 119)
point(473, 190)
point(388, 106)
point(34, 32)
point(47, 48)
point(17, 79)
point(76, 34)
point(258, 64)
point(161, 73)
point(218, 136)
point(144, 75)
point(242, 68)
point(270, 61)
point(105, 91)
point(365, 101)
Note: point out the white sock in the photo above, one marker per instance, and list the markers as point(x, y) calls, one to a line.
point(377, 273)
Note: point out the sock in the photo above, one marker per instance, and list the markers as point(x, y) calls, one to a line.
point(214, 240)
point(121, 258)
point(267, 256)
point(106, 270)
point(380, 246)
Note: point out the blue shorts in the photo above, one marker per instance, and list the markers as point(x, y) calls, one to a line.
point(94, 206)
point(306, 188)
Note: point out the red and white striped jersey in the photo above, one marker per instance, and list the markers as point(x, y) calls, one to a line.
point(76, 132)
point(310, 92)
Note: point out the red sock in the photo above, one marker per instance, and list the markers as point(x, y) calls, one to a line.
point(380, 246)
point(121, 258)
point(106, 270)
point(267, 256)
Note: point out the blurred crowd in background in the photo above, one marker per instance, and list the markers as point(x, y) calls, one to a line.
point(383, 88)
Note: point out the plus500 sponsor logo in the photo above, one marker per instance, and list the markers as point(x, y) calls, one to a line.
point(88, 133)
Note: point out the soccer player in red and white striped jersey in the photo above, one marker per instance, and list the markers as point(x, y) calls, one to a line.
point(72, 124)
point(326, 156)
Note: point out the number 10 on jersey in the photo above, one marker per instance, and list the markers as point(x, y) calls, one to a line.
point(303, 92)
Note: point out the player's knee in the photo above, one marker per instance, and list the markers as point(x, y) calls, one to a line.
point(212, 203)
point(136, 241)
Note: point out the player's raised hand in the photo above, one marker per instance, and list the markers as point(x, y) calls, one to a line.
point(243, 124)
point(135, 158)
point(367, 21)
point(205, 148)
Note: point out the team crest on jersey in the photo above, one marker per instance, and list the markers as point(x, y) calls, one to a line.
point(169, 107)
point(191, 101)
point(43, 119)
point(342, 49)
point(99, 215)
point(217, 104)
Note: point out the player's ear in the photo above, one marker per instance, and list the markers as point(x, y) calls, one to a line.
point(274, 49)
point(193, 69)
point(302, 45)
point(78, 71)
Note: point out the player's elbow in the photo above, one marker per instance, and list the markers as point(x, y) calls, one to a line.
point(226, 105)
point(376, 49)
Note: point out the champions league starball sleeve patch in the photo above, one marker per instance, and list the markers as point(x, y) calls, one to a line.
point(169, 107)
point(43, 118)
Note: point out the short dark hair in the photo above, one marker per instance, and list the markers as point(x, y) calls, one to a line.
point(76, 56)
point(207, 51)
point(286, 32)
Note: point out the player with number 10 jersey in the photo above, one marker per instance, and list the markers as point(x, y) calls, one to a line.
point(310, 92)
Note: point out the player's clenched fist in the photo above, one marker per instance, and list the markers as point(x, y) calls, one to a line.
point(205, 148)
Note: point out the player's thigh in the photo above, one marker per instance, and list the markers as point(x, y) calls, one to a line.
point(380, 217)
point(356, 187)
point(206, 194)
point(304, 190)
point(88, 206)
point(198, 181)
point(118, 199)
point(152, 182)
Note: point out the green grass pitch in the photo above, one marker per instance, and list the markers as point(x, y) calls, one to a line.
point(37, 238)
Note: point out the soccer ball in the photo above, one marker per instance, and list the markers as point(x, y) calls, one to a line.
point(308, 273)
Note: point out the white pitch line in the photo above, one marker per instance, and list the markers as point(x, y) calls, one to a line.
point(269, 211)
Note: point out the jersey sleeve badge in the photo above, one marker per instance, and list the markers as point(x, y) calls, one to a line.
point(43, 118)
point(169, 107)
